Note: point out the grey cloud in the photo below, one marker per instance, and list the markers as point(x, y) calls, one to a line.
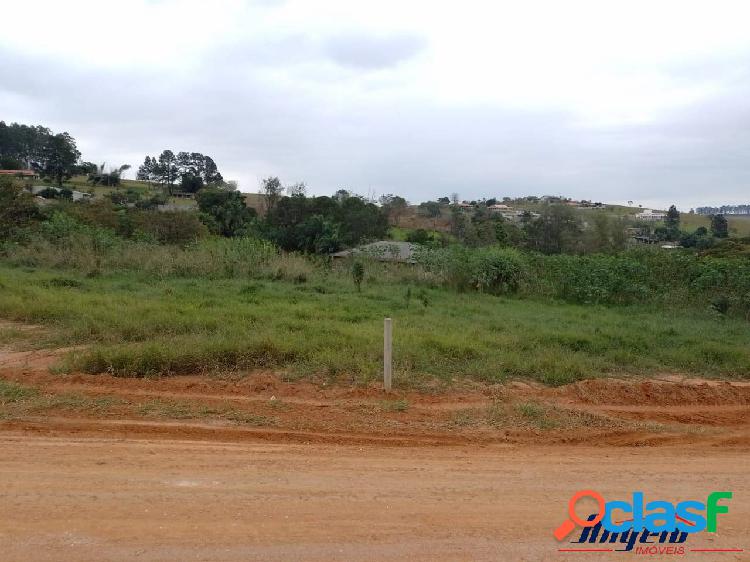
point(254, 125)
point(372, 51)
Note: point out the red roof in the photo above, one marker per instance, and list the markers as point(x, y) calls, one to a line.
point(18, 172)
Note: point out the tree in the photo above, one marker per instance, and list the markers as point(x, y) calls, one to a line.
point(444, 200)
point(360, 220)
point(87, 168)
point(606, 234)
point(193, 170)
point(272, 189)
point(319, 235)
point(393, 206)
point(190, 183)
point(225, 212)
point(672, 220)
point(10, 163)
point(60, 157)
point(556, 230)
point(719, 226)
point(430, 209)
point(323, 224)
point(358, 274)
point(198, 169)
point(146, 171)
point(418, 236)
point(165, 170)
point(23, 146)
point(297, 189)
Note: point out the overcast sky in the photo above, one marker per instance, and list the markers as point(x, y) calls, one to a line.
point(646, 101)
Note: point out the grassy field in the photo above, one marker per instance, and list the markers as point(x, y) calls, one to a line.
point(739, 226)
point(134, 325)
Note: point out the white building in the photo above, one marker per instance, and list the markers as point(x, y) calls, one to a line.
point(649, 215)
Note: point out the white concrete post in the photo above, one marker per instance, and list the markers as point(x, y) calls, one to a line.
point(387, 355)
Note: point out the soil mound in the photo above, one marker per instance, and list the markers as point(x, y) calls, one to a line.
point(658, 393)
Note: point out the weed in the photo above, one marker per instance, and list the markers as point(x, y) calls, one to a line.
point(400, 405)
point(12, 392)
point(530, 410)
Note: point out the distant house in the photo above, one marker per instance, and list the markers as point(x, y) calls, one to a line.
point(183, 195)
point(498, 207)
point(77, 195)
point(649, 215)
point(25, 174)
point(384, 250)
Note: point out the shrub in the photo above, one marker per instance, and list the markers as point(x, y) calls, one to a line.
point(173, 227)
point(358, 274)
point(17, 208)
point(494, 270)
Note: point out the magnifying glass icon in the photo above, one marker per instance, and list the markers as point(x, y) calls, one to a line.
point(569, 525)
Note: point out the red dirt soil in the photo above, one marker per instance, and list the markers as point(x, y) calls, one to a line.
point(476, 472)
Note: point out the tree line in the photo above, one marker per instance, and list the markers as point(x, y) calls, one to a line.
point(192, 171)
point(34, 147)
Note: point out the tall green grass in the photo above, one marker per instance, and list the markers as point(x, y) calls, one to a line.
point(315, 323)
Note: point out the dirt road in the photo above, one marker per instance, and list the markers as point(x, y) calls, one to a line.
point(249, 466)
point(88, 498)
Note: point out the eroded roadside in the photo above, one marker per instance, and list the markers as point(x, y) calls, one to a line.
point(249, 466)
point(262, 406)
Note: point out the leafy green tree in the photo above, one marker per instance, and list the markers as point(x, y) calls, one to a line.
point(672, 221)
point(360, 220)
point(358, 274)
point(318, 235)
point(87, 168)
point(557, 230)
point(10, 163)
point(165, 170)
point(273, 190)
point(605, 234)
point(190, 183)
point(719, 226)
point(23, 146)
point(199, 170)
point(323, 224)
point(394, 207)
point(418, 236)
point(146, 171)
point(225, 212)
point(507, 233)
point(297, 189)
point(431, 210)
point(60, 157)
point(192, 170)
